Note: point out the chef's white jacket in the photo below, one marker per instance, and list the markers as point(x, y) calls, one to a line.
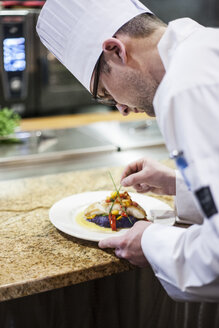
point(186, 261)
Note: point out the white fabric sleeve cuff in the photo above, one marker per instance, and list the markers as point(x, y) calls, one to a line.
point(185, 203)
point(154, 239)
point(185, 260)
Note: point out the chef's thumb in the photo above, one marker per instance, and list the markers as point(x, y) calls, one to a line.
point(125, 182)
point(132, 180)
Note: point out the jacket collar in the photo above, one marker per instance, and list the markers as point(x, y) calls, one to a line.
point(177, 31)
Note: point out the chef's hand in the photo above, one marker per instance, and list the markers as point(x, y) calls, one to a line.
point(128, 246)
point(148, 175)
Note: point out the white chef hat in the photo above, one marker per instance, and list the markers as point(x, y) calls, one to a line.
point(74, 30)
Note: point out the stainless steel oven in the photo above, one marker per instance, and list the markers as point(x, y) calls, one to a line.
point(32, 81)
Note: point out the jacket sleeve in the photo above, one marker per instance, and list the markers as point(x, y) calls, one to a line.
point(187, 266)
point(186, 261)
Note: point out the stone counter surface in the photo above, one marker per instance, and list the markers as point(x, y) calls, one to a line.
point(34, 255)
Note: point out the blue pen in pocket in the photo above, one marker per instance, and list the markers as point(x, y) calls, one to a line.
point(181, 164)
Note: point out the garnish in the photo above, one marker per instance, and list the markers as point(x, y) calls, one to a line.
point(112, 217)
point(112, 221)
point(9, 120)
point(118, 195)
point(116, 211)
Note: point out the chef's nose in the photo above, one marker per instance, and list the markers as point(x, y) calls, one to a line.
point(124, 110)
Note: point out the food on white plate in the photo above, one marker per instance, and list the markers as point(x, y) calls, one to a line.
point(116, 211)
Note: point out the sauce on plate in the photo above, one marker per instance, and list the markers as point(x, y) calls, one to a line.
point(90, 225)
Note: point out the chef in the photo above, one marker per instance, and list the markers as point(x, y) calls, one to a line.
point(125, 56)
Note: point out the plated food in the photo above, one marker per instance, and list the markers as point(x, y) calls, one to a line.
point(116, 211)
point(67, 214)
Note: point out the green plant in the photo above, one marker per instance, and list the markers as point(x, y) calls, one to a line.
point(9, 120)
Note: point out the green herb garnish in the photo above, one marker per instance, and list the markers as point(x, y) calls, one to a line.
point(117, 190)
point(9, 120)
point(114, 200)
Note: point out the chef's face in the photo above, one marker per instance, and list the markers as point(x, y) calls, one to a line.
point(127, 88)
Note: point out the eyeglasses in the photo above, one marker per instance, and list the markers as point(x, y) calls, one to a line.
point(101, 100)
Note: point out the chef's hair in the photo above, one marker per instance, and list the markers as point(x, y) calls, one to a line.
point(141, 26)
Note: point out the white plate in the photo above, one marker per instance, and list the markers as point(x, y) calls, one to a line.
point(63, 213)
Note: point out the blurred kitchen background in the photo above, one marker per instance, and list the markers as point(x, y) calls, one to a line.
point(61, 128)
point(36, 84)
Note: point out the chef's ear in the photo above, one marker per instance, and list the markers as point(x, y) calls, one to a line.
point(116, 48)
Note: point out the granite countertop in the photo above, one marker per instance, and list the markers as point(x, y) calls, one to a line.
point(34, 255)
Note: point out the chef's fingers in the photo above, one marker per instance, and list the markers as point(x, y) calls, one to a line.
point(127, 172)
point(118, 252)
point(132, 168)
point(138, 187)
point(113, 242)
point(134, 179)
point(143, 187)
